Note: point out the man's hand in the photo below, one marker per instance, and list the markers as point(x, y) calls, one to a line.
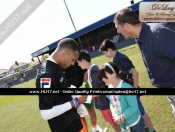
point(81, 98)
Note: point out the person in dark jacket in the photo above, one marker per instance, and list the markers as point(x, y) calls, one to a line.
point(156, 42)
point(95, 81)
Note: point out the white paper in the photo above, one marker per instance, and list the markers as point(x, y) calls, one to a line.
point(72, 86)
point(89, 99)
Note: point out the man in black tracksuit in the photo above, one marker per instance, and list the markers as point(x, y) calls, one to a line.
point(59, 110)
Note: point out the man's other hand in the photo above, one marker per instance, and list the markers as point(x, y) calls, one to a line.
point(81, 98)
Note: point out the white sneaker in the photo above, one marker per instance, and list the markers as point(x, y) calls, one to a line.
point(105, 130)
point(172, 105)
point(97, 129)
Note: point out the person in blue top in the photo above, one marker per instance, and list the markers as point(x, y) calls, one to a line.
point(157, 46)
point(124, 108)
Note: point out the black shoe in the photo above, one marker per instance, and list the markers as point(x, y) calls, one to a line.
point(146, 129)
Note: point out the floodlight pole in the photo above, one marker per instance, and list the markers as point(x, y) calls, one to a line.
point(73, 24)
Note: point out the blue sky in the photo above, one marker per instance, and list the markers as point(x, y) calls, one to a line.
point(49, 23)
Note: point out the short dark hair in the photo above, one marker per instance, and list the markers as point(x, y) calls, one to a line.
point(68, 43)
point(84, 55)
point(107, 43)
point(127, 15)
point(106, 68)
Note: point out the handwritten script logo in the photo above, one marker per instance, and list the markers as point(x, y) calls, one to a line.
point(158, 6)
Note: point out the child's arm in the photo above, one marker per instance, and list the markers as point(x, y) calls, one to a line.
point(85, 78)
point(133, 106)
point(135, 75)
point(96, 80)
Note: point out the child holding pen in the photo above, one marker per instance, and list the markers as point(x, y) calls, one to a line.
point(124, 108)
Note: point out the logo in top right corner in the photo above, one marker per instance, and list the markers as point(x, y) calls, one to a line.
point(157, 11)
